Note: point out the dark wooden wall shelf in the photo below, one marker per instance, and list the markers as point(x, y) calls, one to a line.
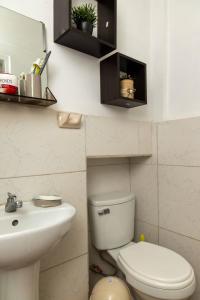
point(110, 70)
point(65, 34)
point(49, 100)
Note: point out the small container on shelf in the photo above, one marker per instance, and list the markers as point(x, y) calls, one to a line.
point(30, 86)
point(8, 83)
point(127, 88)
point(33, 85)
point(118, 87)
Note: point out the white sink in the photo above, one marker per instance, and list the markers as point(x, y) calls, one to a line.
point(25, 236)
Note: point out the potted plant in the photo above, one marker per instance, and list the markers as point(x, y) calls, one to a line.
point(85, 17)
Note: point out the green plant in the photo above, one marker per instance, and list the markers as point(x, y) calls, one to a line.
point(84, 13)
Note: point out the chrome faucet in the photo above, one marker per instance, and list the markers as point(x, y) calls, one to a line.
point(12, 203)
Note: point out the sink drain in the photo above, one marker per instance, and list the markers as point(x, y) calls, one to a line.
point(15, 223)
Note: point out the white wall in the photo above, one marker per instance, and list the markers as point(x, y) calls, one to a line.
point(74, 76)
point(158, 58)
point(164, 34)
point(184, 59)
point(175, 63)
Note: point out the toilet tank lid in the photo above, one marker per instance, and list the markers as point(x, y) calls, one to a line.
point(110, 199)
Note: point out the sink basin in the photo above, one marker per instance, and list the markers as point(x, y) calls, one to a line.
point(25, 236)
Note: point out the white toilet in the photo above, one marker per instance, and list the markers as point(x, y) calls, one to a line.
point(153, 271)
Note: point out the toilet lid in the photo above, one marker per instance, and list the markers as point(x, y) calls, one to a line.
point(156, 266)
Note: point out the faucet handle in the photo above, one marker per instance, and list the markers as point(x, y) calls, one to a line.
point(19, 203)
point(12, 196)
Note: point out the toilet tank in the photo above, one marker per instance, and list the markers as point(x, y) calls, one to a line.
point(112, 218)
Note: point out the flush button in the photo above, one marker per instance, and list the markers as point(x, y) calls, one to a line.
point(103, 212)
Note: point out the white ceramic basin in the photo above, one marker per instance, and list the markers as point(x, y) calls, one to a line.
point(25, 236)
point(36, 230)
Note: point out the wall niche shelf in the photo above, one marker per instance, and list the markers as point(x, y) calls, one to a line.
point(67, 35)
point(110, 70)
point(49, 100)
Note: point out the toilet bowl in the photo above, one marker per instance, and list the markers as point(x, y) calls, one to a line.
point(154, 272)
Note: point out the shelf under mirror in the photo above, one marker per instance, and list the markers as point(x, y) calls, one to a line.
point(47, 101)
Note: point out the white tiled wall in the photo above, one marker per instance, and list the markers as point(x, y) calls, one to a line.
point(179, 195)
point(168, 192)
point(117, 137)
point(108, 178)
point(32, 144)
point(37, 157)
point(179, 142)
point(144, 184)
point(150, 232)
point(179, 189)
point(66, 281)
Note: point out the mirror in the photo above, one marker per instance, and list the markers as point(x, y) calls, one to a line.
point(22, 42)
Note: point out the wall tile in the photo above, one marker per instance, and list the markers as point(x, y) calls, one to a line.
point(144, 186)
point(179, 142)
point(150, 160)
point(145, 137)
point(150, 232)
point(66, 281)
point(72, 188)
point(115, 137)
point(108, 137)
point(186, 247)
point(32, 143)
point(103, 179)
point(107, 161)
point(179, 202)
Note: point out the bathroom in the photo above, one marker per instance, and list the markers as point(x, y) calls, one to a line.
point(151, 151)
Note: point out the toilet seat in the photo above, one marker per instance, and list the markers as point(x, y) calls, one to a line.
point(157, 271)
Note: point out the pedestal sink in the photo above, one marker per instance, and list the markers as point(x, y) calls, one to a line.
point(25, 236)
